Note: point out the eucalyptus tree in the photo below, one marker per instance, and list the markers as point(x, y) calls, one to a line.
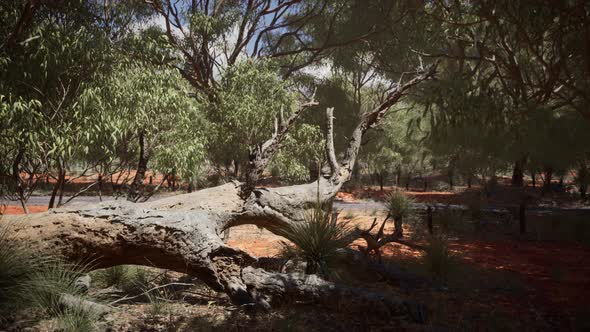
point(51, 54)
point(154, 108)
point(522, 49)
point(184, 232)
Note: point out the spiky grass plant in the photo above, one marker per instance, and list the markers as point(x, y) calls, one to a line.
point(113, 275)
point(130, 279)
point(17, 265)
point(76, 320)
point(399, 207)
point(438, 257)
point(32, 280)
point(159, 304)
point(318, 238)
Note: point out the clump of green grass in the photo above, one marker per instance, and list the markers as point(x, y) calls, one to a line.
point(438, 258)
point(55, 278)
point(159, 303)
point(29, 280)
point(349, 215)
point(17, 264)
point(318, 239)
point(76, 320)
point(131, 280)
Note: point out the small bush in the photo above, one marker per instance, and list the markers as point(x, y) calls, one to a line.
point(400, 208)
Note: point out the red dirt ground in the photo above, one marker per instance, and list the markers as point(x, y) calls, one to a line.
point(16, 209)
point(557, 275)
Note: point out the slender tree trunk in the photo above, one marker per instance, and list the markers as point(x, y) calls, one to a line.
point(23, 203)
point(399, 230)
point(469, 179)
point(548, 176)
point(534, 179)
point(518, 174)
point(61, 174)
point(18, 182)
point(62, 186)
point(144, 156)
point(381, 181)
point(451, 173)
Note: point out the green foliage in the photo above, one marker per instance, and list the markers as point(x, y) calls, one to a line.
point(400, 205)
point(250, 97)
point(302, 148)
point(318, 239)
point(157, 102)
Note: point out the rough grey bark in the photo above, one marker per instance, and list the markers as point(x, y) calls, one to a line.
point(185, 233)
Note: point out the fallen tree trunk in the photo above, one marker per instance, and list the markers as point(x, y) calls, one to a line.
point(184, 233)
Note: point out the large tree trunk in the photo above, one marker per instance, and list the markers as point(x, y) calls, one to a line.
point(184, 233)
point(181, 233)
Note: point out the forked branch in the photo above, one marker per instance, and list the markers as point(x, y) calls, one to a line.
point(262, 154)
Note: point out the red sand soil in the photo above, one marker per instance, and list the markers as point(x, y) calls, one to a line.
point(17, 209)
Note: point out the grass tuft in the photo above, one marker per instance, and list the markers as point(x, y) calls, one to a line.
point(399, 205)
point(76, 320)
point(438, 258)
point(318, 239)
